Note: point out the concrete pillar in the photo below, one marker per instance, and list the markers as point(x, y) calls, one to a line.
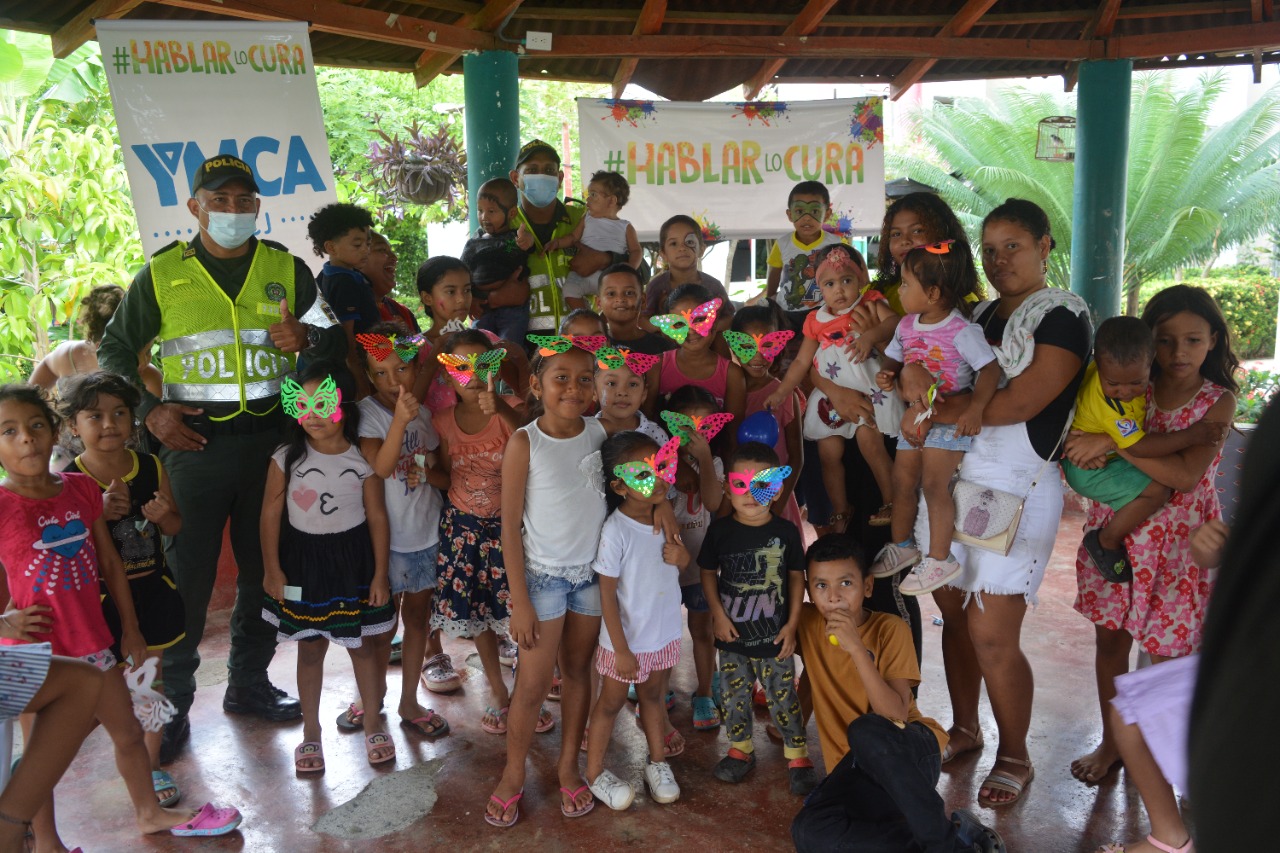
point(491, 90)
point(1102, 166)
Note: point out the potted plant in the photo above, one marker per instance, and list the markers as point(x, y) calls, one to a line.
point(424, 167)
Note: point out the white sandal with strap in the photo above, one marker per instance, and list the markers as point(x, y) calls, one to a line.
point(1000, 782)
point(1117, 847)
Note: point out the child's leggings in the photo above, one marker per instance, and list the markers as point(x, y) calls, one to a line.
point(778, 678)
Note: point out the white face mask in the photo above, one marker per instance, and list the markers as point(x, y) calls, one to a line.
point(231, 230)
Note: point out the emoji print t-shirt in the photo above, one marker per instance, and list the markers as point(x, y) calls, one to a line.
point(325, 493)
point(754, 565)
point(49, 559)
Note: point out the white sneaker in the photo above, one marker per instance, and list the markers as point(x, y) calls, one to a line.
point(661, 782)
point(930, 574)
point(612, 791)
point(893, 559)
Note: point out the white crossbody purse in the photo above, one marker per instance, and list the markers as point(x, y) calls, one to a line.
point(987, 517)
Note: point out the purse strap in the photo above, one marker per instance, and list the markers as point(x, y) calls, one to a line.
point(1050, 461)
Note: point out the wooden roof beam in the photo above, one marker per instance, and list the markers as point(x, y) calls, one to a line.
point(1240, 38)
point(327, 16)
point(79, 29)
point(648, 23)
point(487, 19)
point(804, 23)
point(959, 25)
point(1100, 25)
point(823, 47)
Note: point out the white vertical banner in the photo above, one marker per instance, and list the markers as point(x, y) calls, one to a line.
point(187, 90)
point(731, 165)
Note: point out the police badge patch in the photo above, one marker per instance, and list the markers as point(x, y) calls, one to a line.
point(275, 291)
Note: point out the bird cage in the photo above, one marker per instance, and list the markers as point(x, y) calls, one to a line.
point(1056, 141)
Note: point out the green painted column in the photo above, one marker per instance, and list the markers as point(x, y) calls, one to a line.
point(491, 91)
point(1102, 169)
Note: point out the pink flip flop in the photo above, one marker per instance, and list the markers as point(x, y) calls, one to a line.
point(209, 821)
point(498, 821)
point(546, 722)
point(573, 798)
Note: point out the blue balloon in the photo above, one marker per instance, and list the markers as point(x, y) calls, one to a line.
point(761, 427)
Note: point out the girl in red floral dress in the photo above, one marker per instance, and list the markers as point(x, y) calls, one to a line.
point(1163, 607)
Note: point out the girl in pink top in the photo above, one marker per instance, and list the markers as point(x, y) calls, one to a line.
point(54, 543)
point(691, 324)
point(755, 342)
point(937, 334)
point(472, 598)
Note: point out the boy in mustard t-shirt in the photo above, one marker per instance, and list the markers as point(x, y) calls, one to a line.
point(885, 757)
point(1111, 405)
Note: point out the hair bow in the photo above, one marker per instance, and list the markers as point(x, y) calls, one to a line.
point(942, 247)
point(612, 358)
point(324, 402)
point(552, 344)
point(764, 485)
point(483, 365)
point(701, 319)
point(685, 426)
point(381, 346)
point(643, 475)
point(746, 346)
point(838, 258)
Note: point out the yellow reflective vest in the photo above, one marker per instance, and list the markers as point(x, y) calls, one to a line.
point(213, 349)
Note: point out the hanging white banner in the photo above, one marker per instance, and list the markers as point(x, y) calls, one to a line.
point(731, 165)
point(187, 90)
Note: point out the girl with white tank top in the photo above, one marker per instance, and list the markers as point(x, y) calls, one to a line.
point(555, 596)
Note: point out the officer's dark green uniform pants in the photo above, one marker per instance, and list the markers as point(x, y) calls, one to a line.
point(225, 480)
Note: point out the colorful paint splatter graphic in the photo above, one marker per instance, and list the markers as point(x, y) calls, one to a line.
point(710, 230)
point(630, 112)
point(840, 223)
point(867, 123)
point(767, 114)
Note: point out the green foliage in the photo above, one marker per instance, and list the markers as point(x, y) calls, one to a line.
point(358, 103)
point(1193, 189)
point(1257, 387)
point(1248, 297)
point(66, 219)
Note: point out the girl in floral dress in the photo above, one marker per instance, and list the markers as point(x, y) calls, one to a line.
point(472, 598)
point(1163, 607)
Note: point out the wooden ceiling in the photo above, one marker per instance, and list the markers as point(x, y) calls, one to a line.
point(695, 49)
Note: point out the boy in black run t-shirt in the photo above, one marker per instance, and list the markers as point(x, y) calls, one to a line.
point(753, 577)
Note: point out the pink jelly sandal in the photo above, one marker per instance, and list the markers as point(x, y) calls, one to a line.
point(209, 821)
point(515, 816)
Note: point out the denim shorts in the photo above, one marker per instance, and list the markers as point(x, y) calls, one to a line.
point(941, 437)
point(694, 599)
point(414, 571)
point(551, 596)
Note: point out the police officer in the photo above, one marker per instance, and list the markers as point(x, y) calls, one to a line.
point(541, 218)
point(231, 313)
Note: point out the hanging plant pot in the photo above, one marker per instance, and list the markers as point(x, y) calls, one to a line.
point(425, 168)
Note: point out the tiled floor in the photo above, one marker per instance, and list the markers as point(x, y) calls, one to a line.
point(433, 796)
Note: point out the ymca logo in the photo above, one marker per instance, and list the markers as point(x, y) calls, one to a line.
point(276, 175)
